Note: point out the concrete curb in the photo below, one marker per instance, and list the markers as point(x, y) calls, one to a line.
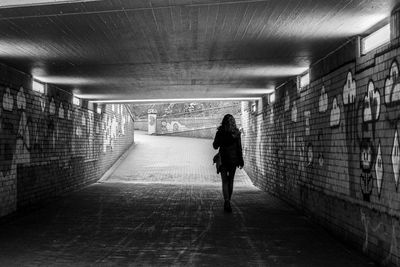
point(116, 164)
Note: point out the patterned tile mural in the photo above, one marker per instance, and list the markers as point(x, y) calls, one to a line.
point(339, 140)
point(45, 137)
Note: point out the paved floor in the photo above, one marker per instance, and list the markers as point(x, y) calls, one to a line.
point(163, 206)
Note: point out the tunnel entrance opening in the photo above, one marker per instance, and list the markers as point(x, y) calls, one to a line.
point(170, 160)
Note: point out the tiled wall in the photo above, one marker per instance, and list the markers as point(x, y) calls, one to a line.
point(332, 149)
point(48, 146)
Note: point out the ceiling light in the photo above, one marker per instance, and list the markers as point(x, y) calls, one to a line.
point(271, 98)
point(175, 100)
point(20, 3)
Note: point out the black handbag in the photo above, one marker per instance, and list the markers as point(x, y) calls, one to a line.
point(217, 161)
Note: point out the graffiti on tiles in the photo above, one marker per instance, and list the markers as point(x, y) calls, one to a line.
point(372, 103)
point(307, 117)
point(260, 141)
point(379, 170)
point(375, 227)
point(310, 155)
point(41, 132)
point(89, 144)
point(323, 101)
point(367, 156)
point(338, 165)
point(113, 126)
point(320, 147)
point(271, 116)
point(349, 90)
point(170, 125)
point(287, 101)
point(396, 159)
point(8, 100)
point(294, 112)
point(337, 134)
point(52, 107)
point(392, 85)
point(61, 111)
point(369, 140)
point(349, 104)
point(335, 114)
point(22, 147)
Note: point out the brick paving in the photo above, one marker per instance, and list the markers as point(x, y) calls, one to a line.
point(171, 160)
point(163, 207)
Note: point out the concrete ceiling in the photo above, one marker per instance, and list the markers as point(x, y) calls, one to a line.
point(147, 49)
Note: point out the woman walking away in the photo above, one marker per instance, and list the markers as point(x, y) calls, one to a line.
point(228, 140)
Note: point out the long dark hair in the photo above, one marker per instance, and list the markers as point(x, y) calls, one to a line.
point(228, 125)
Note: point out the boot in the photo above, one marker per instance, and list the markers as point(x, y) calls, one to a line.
point(227, 206)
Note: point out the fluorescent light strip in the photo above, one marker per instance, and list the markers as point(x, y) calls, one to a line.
point(22, 3)
point(176, 100)
point(272, 98)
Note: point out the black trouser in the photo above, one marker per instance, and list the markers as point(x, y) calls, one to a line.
point(227, 175)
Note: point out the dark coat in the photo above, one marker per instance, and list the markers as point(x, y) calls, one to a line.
point(230, 148)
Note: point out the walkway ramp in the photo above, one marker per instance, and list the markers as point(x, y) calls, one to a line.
point(171, 160)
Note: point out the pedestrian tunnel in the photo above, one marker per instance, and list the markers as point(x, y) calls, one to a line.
point(317, 90)
point(162, 204)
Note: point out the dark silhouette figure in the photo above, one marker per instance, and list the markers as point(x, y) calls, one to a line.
point(228, 140)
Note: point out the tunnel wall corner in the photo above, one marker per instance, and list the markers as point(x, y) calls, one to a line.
point(332, 149)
